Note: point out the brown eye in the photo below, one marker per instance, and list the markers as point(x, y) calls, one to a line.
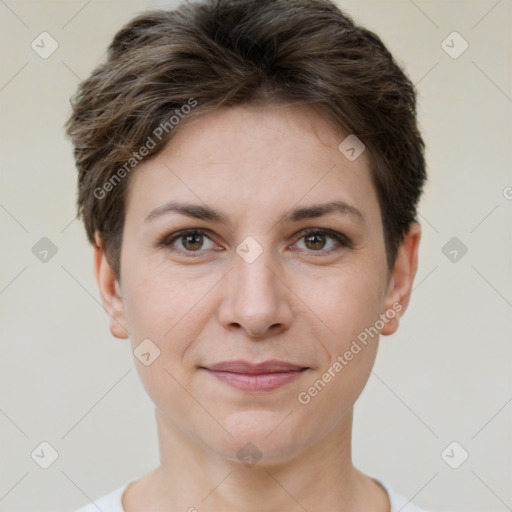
point(324, 241)
point(191, 241)
point(315, 241)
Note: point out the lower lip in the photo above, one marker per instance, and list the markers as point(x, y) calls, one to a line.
point(257, 382)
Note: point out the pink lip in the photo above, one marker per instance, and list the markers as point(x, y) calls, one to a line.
point(265, 376)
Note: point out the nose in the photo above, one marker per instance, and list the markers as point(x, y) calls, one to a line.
point(256, 298)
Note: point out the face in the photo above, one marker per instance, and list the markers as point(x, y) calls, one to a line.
point(253, 259)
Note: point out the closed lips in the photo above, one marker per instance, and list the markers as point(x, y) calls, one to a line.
point(244, 367)
point(262, 377)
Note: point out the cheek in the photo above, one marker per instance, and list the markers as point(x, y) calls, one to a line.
point(349, 303)
point(167, 310)
point(165, 305)
point(347, 300)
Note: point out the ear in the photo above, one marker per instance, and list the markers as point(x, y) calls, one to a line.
point(110, 291)
point(401, 281)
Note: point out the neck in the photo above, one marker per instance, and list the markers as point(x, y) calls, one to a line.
point(319, 478)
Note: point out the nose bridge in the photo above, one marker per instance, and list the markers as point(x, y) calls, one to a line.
point(252, 274)
point(255, 297)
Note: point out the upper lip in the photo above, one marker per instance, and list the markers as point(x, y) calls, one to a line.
point(244, 367)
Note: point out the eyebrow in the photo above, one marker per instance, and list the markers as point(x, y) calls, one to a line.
point(206, 213)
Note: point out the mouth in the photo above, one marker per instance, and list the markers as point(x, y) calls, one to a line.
point(265, 376)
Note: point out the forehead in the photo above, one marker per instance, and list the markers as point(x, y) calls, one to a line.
point(257, 133)
point(253, 158)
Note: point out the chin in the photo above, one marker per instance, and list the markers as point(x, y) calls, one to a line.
point(260, 436)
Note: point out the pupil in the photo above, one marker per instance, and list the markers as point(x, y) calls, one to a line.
point(189, 239)
point(317, 238)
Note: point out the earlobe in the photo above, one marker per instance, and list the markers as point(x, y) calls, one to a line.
point(401, 281)
point(110, 291)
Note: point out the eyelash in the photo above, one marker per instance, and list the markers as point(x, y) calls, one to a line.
point(342, 241)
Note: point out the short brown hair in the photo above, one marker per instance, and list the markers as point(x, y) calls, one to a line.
point(223, 53)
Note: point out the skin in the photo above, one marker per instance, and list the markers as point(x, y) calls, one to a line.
point(298, 301)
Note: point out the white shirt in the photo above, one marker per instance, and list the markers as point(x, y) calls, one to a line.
point(112, 502)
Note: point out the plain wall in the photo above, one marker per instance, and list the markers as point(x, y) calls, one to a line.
point(444, 376)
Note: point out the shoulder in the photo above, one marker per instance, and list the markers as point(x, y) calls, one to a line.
point(111, 502)
point(398, 502)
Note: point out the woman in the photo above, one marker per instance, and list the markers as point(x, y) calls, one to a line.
point(249, 173)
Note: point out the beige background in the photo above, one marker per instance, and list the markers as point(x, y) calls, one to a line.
point(445, 376)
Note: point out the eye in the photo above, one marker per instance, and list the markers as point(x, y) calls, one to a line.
point(191, 240)
point(197, 241)
point(315, 240)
